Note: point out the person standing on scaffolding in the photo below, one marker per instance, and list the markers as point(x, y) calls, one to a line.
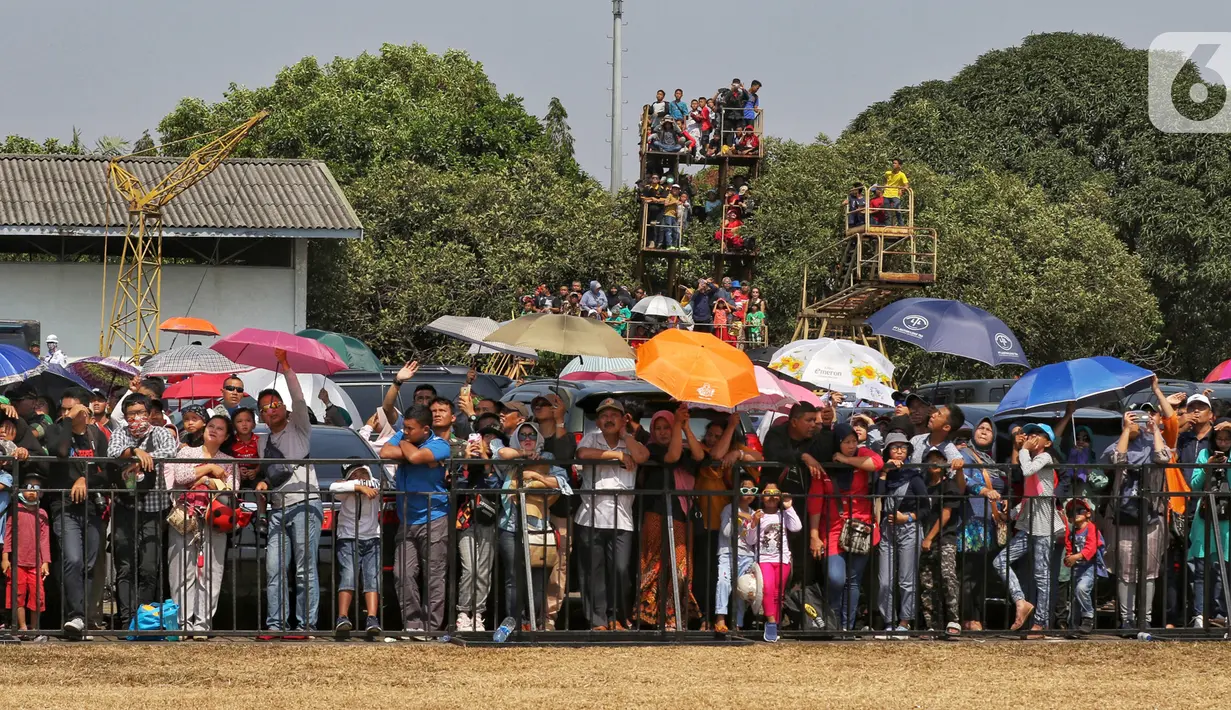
point(895, 180)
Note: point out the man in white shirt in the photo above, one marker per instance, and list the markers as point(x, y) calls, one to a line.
point(605, 520)
point(55, 356)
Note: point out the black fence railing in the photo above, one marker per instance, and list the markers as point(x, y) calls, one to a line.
point(583, 552)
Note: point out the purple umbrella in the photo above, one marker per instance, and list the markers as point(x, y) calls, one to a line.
point(102, 372)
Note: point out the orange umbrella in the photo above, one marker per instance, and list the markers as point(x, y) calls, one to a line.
point(698, 368)
point(188, 326)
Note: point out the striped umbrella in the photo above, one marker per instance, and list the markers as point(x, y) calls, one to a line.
point(190, 360)
point(473, 330)
point(103, 372)
point(17, 365)
point(593, 363)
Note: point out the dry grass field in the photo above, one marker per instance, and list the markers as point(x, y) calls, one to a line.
point(404, 675)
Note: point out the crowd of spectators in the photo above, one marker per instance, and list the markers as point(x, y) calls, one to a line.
point(881, 204)
point(732, 310)
point(670, 203)
point(725, 123)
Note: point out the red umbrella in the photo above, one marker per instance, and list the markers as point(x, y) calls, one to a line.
point(581, 376)
point(255, 347)
point(197, 387)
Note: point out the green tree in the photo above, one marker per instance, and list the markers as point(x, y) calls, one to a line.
point(145, 145)
point(1067, 112)
point(465, 199)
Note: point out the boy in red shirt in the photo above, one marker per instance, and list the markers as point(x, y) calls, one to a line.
point(33, 554)
point(1083, 553)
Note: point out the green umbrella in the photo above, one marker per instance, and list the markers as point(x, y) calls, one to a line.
point(353, 351)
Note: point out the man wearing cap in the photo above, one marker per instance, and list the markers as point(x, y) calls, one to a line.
point(55, 356)
point(1200, 431)
point(98, 412)
point(512, 415)
point(22, 398)
point(594, 299)
point(605, 521)
point(1039, 525)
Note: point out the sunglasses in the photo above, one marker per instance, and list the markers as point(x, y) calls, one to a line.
point(232, 388)
point(748, 491)
point(527, 436)
point(271, 405)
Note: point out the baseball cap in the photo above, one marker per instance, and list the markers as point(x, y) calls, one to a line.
point(1198, 399)
point(540, 400)
point(610, 403)
point(1148, 407)
point(1040, 429)
point(912, 397)
point(519, 407)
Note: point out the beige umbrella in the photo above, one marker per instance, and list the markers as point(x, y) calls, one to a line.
point(567, 335)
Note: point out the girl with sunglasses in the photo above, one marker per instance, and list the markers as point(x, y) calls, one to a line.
point(773, 553)
point(749, 523)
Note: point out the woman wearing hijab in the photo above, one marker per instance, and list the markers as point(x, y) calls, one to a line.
point(536, 474)
point(668, 468)
point(983, 517)
point(1140, 445)
point(843, 495)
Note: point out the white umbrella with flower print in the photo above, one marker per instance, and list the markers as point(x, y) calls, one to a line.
point(833, 364)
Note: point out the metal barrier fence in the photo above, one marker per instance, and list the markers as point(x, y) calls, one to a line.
point(615, 555)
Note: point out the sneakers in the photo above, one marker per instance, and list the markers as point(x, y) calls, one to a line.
point(771, 633)
point(1087, 625)
point(74, 627)
point(343, 625)
point(1198, 622)
point(478, 624)
point(372, 626)
point(464, 622)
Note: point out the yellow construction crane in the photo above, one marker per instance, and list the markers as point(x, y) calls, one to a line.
point(138, 287)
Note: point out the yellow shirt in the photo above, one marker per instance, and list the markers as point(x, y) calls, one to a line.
point(670, 208)
point(893, 181)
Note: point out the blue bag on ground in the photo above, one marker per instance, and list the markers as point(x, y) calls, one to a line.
point(156, 617)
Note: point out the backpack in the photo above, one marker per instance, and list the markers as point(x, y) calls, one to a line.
point(811, 607)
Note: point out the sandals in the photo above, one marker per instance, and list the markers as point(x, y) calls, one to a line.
point(720, 627)
point(953, 630)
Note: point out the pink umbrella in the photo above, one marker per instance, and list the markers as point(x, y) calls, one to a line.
point(800, 394)
point(1222, 373)
point(255, 347)
point(773, 395)
point(582, 376)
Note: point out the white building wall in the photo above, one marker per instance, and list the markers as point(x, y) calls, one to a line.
point(64, 298)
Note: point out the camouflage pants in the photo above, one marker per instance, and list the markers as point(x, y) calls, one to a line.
point(942, 560)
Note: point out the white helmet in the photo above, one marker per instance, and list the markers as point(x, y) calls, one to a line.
point(53, 339)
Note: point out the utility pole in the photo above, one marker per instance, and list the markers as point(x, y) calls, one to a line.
point(617, 150)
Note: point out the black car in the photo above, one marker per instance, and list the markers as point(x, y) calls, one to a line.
point(584, 398)
point(367, 389)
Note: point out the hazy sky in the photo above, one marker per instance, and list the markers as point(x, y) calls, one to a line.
point(117, 68)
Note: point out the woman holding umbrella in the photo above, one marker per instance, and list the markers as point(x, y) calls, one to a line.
point(1130, 509)
point(668, 468)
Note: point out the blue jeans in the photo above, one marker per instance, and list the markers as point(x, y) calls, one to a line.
point(1196, 567)
point(513, 560)
point(367, 554)
point(670, 231)
point(78, 531)
point(722, 598)
point(294, 537)
point(1040, 550)
point(898, 569)
point(894, 217)
point(1083, 591)
point(845, 571)
point(659, 147)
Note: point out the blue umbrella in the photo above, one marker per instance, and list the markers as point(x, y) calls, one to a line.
point(950, 327)
point(55, 381)
point(16, 365)
point(1090, 380)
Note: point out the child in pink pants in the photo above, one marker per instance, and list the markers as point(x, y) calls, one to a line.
point(773, 553)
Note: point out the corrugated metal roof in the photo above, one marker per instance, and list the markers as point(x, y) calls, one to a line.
point(242, 194)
